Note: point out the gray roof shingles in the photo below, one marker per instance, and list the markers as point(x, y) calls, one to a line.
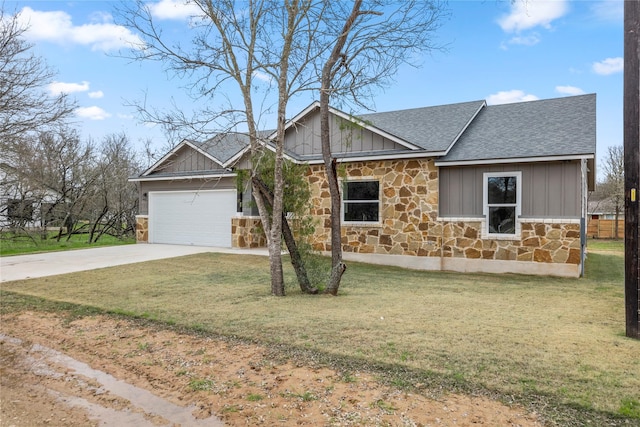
point(224, 146)
point(433, 129)
point(546, 128)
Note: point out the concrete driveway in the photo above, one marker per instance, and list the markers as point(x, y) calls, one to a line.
point(51, 263)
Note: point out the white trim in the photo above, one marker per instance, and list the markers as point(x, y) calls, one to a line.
point(181, 177)
point(485, 206)
point(514, 160)
point(522, 220)
point(395, 156)
point(344, 223)
point(352, 119)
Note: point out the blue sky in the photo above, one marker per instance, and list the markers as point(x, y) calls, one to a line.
point(497, 50)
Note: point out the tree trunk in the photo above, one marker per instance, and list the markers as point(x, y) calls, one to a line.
point(328, 71)
point(275, 253)
point(292, 246)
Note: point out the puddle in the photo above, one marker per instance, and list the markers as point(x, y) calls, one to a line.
point(143, 408)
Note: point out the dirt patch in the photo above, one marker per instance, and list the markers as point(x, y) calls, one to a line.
point(236, 382)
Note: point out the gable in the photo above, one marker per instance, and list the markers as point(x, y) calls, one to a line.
point(302, 137)
point(186, 159)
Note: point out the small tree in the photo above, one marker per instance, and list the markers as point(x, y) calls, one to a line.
point(613, 185)
point(115, 200)
point(365, 52)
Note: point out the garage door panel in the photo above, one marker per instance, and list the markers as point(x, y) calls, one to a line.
point(192, 217)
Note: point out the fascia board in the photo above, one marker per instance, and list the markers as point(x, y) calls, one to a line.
point(236, 157)
point(301, 114)
point(352, 119)
point(164, 158)
point(514, 160)
point(179, 178)
point(364, 158)
point(175, 149)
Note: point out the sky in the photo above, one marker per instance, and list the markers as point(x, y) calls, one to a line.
point(498, 50)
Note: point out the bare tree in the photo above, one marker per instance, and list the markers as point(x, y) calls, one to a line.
point(115, 199)
point(232, 43)
point(613, 185)
point(374, 40)
point(25, 105)
point(286, 44)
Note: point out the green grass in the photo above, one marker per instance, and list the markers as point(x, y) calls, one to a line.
point(19, 245)
point(557, 345)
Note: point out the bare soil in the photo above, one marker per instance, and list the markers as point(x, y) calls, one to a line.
point(238, 383)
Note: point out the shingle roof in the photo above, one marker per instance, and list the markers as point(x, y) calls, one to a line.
point(433, 129)
point(224, 147)
point(551, 127)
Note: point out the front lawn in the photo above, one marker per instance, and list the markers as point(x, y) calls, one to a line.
point(12, 244)
point(557, 345)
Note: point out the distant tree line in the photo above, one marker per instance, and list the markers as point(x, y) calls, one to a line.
point(49, 178)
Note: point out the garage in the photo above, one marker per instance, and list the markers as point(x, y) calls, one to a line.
point(199, 218)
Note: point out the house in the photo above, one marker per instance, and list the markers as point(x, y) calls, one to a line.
point(23, 206)
point(464, 187)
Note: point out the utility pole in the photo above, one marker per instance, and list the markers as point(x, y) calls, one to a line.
point(632, 165)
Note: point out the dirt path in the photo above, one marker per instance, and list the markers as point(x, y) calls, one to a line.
point(98, 371)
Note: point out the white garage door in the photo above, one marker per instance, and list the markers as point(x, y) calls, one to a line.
point(200, 218)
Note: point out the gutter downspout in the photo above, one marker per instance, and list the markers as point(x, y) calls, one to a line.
point(583, 215)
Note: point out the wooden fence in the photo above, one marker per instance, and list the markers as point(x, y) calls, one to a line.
point(605, 228)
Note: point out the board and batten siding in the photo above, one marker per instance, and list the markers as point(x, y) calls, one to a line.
point(303, 138)
point(186, 159)
point(182, 185)
point(549, 189)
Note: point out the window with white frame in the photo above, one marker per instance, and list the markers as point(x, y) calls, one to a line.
point(361, 201)
point(502, 202)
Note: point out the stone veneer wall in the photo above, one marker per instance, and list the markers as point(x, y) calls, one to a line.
point(142, 228)
point(541, 241)
point(246, 232)
point(409, 209)
point(409, 223)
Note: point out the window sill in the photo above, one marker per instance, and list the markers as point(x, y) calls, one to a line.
point(361, 224)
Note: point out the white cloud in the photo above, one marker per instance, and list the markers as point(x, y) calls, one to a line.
point(529, 40)
point(57, 88)
point(262, 76)
point(569, 90)
point(509, 97)
point(92, 113)
point(609, 66)
point(124, 116)
point(57, 27)
point(174, 9)
point(95, 95)
point(526, 14)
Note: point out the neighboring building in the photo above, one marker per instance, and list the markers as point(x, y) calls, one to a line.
point(602, 220)
point(464, 187)
point(23, 207)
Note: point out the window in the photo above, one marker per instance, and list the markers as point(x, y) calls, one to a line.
point(502, 202)
point(361, 201)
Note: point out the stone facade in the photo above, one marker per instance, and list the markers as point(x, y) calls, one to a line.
point(409, 223)
point(409, 209)
point(142, 228)
point(247, 233)
point(540, 241)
